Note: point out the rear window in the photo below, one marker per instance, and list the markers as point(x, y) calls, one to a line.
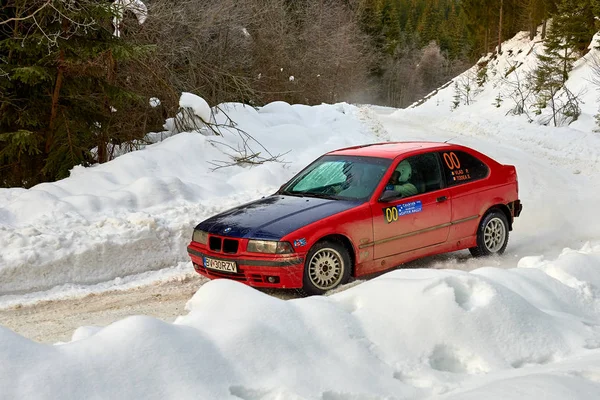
point(461, 167)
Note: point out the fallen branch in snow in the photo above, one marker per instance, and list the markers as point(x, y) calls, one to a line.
point(243, 160)
point(187, 120)
point(195, 115)
point(245, 155)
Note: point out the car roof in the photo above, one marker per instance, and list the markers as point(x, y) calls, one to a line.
point(389, 149)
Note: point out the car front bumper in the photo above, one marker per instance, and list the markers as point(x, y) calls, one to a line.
point(260, 270)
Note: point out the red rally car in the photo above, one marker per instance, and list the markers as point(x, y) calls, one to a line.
point(360, 210)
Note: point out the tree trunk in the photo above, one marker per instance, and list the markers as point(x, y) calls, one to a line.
point(532, 21)
point(102, 156)
point(56, 92)
point(565, 71)
point(55, 99)
point(544, 29)
point(500, 28)
point(553, 110)
point(102, 137)
point(485, 41)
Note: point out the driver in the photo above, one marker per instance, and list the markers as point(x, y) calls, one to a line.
point(399, 180)
point(357, 183)
point(393, 180)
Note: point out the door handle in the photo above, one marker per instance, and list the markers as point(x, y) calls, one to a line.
point(441, 199)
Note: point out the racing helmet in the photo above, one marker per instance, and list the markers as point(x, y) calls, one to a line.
point(405, 171)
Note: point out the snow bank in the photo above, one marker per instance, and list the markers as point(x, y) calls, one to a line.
point(406, 334)
point(198, 105)
point(136, 213)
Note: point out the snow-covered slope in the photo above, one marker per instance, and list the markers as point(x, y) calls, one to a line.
point(136, 213)
point(499, 75)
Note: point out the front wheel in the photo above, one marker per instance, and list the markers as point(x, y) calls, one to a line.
point(327, 266)
point(492, 235)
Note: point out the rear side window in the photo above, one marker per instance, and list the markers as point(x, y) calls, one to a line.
point(460, 167)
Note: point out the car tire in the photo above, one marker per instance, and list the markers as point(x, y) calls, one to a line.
point(327, 266)
point(492, 234)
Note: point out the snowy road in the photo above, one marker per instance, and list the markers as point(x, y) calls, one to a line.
point(557, 187)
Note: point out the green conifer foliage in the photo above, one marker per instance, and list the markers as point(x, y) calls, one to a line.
point(59, 88)
point(572, 27)
point(569, 35)
point(567, 39)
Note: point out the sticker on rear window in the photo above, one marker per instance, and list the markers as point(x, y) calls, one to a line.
point(391, 214)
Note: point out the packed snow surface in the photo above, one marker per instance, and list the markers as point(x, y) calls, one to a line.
point(490, 333)
point(522, 326)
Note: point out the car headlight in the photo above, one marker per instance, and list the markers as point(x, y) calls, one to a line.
point(200, 237)
point(269, 246)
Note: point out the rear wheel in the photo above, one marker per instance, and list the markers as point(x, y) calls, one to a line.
point(492, 234)
point(327, 266)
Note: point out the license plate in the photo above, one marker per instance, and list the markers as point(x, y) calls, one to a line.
point(220, 265)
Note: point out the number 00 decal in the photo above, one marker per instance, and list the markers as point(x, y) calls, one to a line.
point(451, 160)
point(391, 214)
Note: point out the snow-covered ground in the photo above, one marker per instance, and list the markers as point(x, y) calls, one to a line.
point(519, 326)
point(136, 213)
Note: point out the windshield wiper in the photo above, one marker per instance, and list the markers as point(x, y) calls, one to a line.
point(321, 196)
point(288, 193)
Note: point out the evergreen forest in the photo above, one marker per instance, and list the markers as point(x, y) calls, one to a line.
point(76, 76)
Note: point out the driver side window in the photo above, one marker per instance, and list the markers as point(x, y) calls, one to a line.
point(416, 175)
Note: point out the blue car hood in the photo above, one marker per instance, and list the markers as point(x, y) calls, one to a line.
point(273, 217)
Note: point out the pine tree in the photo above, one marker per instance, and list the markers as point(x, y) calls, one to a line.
point(567, 39)
point(574, 22)
point(390, 25)
point(458, 41)
point(60, 93)
point(479, 21)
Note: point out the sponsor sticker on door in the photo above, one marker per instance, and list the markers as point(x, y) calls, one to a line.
point(391, 214)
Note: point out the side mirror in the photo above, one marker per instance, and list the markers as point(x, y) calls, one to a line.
point(388, 196)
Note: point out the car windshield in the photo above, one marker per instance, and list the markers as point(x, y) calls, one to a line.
point(338, 177)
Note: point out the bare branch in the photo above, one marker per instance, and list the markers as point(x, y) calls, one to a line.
point(520, 91)
point(32, 15)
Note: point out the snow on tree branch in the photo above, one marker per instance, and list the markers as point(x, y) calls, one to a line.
point(137, 7)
